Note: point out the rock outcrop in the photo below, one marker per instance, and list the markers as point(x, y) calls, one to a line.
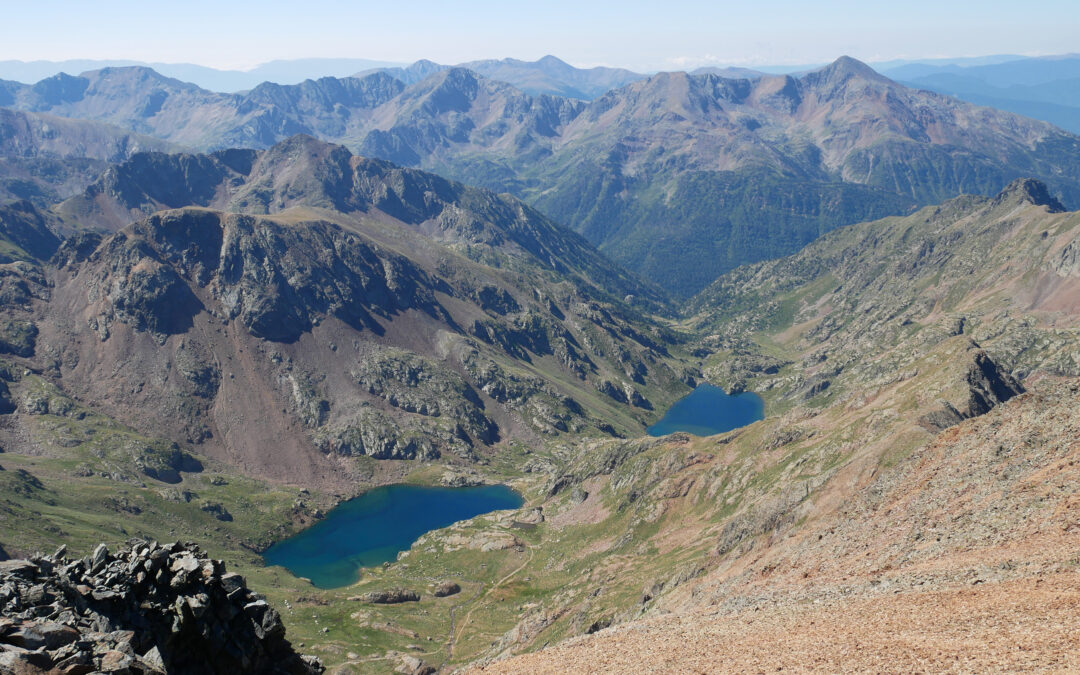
point(390, 597)
point(984, 386)
point(446, 588)
point(150, 608)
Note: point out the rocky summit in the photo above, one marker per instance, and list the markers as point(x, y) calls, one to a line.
point(148, 608)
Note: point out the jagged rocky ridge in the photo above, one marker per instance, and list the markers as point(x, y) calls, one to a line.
point(547, 75)
point(44, 158)
point(148, 608)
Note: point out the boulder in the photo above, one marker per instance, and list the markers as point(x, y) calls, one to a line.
point(390, 597)
point(445, 589)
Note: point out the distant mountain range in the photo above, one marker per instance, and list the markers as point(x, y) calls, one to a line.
point(1045, 88)
point(548, 75)
point(709, 171)
point(288, 71)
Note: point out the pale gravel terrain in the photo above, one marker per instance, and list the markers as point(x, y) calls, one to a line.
point(964, 557)
point(1028, 624)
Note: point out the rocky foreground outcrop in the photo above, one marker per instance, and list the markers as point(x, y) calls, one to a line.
point(150, 608)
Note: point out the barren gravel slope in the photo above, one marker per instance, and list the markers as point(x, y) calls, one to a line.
point(963, 557)
point(1017, 625)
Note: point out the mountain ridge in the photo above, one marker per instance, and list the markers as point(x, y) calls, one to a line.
point(546, 75)
point(303, 171)
point(802, 153)
point(470, 321)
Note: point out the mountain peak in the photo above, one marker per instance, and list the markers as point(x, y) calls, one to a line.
point(1029, 191)
point(129, 72)
point(550, 60)
point(132, 76)
point(847, 67)
point(455, 75)
point(302, 142)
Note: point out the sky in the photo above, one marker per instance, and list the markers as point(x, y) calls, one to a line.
point(643, 36)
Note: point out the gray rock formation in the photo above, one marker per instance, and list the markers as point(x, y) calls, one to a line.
point(390, 597)
point(446, 588)
point(150, 608)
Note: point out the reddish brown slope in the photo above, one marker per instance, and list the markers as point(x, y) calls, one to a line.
point(962, 557)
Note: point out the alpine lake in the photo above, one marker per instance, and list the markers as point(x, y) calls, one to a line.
point(374, 527)
point(709, 410)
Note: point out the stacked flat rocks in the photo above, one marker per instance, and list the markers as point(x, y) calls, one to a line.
point(150, 608)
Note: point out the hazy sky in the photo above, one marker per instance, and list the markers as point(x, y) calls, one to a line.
point(655, 35)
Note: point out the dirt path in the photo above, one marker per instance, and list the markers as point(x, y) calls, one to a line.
point(454, 634)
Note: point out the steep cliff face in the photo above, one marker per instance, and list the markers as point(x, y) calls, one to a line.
point(275, 280)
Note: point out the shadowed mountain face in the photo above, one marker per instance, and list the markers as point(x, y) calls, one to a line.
point(44, 158)
point(26, 233)
point(710, 171)
point(305, 172)
point(298, 307)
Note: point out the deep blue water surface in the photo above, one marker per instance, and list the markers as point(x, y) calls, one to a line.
point(710, 410)
point(374, 527)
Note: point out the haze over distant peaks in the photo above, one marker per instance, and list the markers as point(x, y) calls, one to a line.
point(548, 75)
point(288, 71)
point(1046, 88)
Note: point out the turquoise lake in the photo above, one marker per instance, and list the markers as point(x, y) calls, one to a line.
point(710, 410)
point(377, 525)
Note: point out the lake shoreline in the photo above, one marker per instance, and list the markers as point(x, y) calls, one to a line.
point(709, 410)
point(374, 527)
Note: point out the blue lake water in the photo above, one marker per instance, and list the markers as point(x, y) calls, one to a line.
point(377, 525)
point(710, 410)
